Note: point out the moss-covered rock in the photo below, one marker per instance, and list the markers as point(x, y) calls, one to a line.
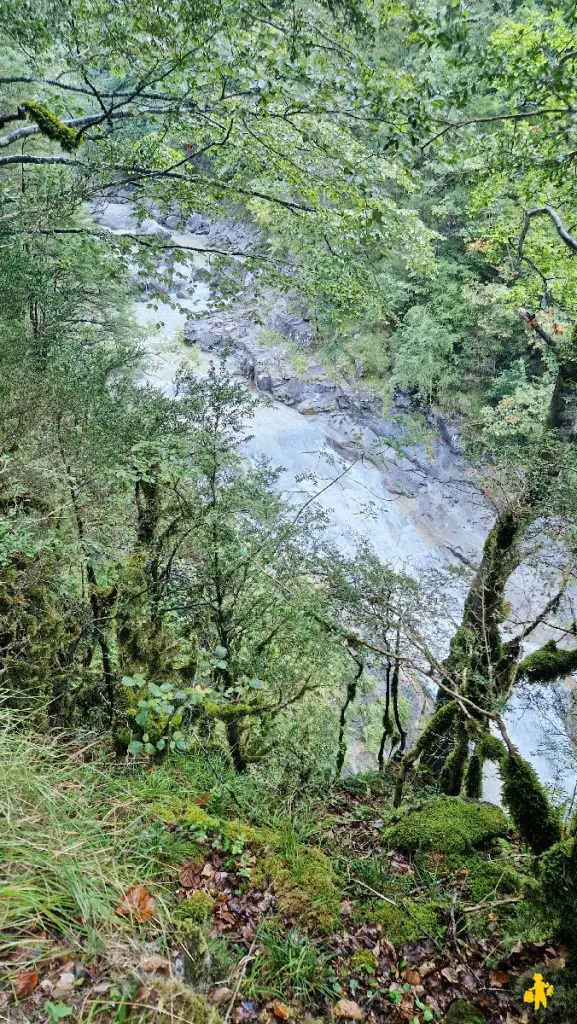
point(536, 820)
point(405, 923)
point(461, 1012)
point(448, 825)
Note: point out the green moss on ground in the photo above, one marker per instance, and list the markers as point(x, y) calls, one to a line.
point(461, 1012)
point(198, 906)
point(305, 886)
point(406, 922)
point(449, 825)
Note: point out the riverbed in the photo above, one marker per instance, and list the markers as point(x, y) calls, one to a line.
point(361, 505)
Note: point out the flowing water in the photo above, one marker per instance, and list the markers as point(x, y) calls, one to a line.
point(358, 506)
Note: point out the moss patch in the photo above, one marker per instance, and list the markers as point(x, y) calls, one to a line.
point(405, 923)
point(534, 817)
point(305, 887)
point(448, 825)
point(198, 906)
point(461, 1012)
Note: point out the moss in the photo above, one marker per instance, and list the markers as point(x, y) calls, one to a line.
point(363, 961)
point(171, 1000)
point(474, 777)
point(536, 820)
point(405, 923)
point(493, 877)
point(447, 825)
point(549, 663)
point(179, 812)
point(558, 877)
point(305, 887)
point(491, 749)
point(52, 126)
point(453, 769)
point(198, 906)
point(461, 1012)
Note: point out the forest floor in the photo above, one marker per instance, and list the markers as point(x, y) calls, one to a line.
point(182, 893)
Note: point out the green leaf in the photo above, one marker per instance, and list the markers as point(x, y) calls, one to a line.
point(56, 1011)
point(135, 746)
point(220, 653)
point(150, 748)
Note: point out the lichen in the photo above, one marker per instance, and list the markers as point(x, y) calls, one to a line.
point(447, 825)
point(536, 820)
point(52, 126)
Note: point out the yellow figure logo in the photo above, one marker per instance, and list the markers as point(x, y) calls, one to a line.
point(540, 993)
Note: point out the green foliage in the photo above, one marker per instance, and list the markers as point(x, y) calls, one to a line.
point(536, 820)
point(447, 824)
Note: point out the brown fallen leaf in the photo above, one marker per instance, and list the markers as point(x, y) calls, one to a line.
point(406, 1008)
point(221, 994)
point(280, 1010)
point(462, 875)
point(137, 904)
point(208, 871)
point(152, 964)
point(427, 967)
point(25, 981)
point(499, 978)
point(346, 1009)
point(450, 975)
point(188, 876)
point(412, 976)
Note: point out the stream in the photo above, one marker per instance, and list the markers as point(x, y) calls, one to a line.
point(360, 506)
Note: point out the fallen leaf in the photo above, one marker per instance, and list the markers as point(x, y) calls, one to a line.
point(499, 978)
point(346, 1009)
point(202, 799)
point(152, 964)
point(280, 1010)
point(25, 982)
point(101, 989)
point(137, 904)
point(412, 976)
point(221, 994)
point(188, 876)
point(462, 874)
point(427, 967)
point(450, 975)
point(208, 871)
point(406, 1008)
point(64, 985)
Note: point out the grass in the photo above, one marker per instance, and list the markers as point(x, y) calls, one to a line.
point(71, 849)
point(289, 967)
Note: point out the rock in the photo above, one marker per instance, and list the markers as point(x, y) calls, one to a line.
point(346, 1009)
point(197, 224)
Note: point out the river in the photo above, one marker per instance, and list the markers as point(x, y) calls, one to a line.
point(359, 506)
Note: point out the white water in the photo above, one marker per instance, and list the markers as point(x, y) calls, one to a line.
point(359, 506)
